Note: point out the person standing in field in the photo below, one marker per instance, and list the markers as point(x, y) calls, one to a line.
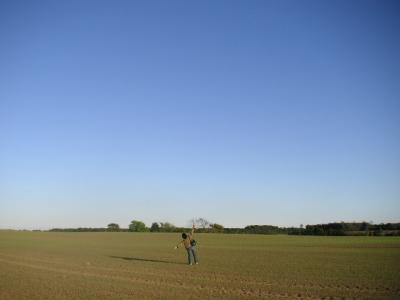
point(190, 245)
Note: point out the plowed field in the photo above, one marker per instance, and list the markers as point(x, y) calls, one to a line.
point(50, 265)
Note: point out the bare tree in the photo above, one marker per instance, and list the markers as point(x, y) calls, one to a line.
point(201, 223)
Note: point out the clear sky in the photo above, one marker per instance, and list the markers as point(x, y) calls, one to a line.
point(240, 112)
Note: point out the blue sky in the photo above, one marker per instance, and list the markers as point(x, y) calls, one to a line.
point(241, 112)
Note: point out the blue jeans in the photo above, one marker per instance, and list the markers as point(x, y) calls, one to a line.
point(192, 254)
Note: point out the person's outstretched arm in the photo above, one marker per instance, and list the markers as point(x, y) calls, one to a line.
point(192, 232)
point(177, 246)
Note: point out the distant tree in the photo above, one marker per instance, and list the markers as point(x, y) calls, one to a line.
point(264, 229)
point(201, 223)
point(112, 227)
point(155, 227)
point(137, 226)
point(364, 226)
point(217, 228)
point(301, 230)
point(167, 227)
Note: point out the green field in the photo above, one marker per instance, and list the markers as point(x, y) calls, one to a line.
point(50, 265)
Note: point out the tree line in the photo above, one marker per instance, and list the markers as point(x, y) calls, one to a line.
point(354, 228)
point(329, 229)
point(204, 226)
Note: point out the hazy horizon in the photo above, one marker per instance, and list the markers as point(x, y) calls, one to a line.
point(187, 225)
point(261, 112)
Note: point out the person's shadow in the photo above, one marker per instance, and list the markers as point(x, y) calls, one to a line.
point(147, 260)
